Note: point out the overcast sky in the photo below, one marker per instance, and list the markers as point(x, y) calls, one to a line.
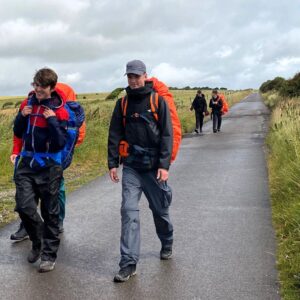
point(235, 43)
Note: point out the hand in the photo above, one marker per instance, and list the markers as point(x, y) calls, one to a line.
point(27, 110)
point(191, 108)
point(162, 175)
point(13, 158)
point(49, 113)
point(113, 174)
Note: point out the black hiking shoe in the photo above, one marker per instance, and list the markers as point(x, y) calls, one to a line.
point(61, 227)
point(20, 235)
point(34, 255)
point(166, 253)
point(215, 130)
point(196, 130)
point(46, 266)
point(125, 273)
point(219, 129)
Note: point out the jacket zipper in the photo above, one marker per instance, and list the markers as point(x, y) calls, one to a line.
point(32, 134)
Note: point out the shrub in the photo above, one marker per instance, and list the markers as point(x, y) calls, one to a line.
point(18, 104)
point(7, 104)
point(291, 87)
point(276, 84)
point(114, 94)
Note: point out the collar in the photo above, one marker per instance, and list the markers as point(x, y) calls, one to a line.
point(54, 102)
point(140, 92)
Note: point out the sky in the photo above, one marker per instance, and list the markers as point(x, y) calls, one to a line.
point(236, 44)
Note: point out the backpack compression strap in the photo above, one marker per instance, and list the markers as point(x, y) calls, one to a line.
point(124, 104)
point(153, 105)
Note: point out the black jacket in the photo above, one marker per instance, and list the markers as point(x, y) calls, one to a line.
point(216, 107)
point(199, 104)
point(137, 130)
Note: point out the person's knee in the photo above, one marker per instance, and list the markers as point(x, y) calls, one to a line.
point(129, 215)
point(129, 212)
point(25, 210)
point(163, 225)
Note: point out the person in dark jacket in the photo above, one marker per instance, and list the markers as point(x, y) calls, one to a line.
point(216, 105)
point(41, 123)
point(146, 163)
point(199, 105)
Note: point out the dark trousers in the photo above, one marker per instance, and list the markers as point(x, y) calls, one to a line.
point(43, 184)
point(217, 120)
point(199, 120)
point(62, 200)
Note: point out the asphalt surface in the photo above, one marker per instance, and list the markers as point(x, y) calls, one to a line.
point(224, 241)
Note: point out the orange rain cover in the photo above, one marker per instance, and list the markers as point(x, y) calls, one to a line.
point(225, 107)
point(163, 91)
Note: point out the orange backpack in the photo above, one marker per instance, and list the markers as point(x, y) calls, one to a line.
point(160, 90)
point(225, 107)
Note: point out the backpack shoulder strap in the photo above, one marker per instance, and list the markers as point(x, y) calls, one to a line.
point(124, 104)
point(154, 105)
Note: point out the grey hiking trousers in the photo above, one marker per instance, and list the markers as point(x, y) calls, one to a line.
point(159, 196)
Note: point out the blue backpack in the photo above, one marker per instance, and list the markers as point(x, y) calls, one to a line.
point(76, 118)
point(65, 156)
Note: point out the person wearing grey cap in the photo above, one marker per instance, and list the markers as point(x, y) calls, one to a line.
point(141, 135)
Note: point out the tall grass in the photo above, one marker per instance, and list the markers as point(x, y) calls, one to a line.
point(90, 157)
point(284, 176)
point(6, 124)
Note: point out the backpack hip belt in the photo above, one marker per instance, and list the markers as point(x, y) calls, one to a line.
point(126, 149)
point(39, 156)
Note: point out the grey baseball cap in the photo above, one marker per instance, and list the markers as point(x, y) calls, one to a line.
point(135, 67)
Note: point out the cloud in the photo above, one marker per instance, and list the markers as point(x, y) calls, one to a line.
point(182, 77)
point(232, 43)
point(72, 78)
point(224, 51)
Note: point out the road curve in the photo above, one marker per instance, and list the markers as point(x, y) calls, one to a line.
point(224, 244)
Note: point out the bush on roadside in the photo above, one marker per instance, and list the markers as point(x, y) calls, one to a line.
point(7, 104)
point(272, 85)
point(291, 87)
point(17, 105)
point(114, 94)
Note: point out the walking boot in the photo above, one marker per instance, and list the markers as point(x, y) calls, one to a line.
point(34, 255)
point(20, 235)
point(166, 253)
point(125, 273)
point(46, 266)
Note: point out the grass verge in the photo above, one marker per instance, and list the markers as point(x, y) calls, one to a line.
point(284, 177)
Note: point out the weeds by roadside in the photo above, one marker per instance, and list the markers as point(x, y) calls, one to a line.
point(284, 175)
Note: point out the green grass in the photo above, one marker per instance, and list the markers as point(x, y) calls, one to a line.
point(90, 157)
point(284, 176)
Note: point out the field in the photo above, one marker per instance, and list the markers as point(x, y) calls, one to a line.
point(284, 173)
point(90, 158)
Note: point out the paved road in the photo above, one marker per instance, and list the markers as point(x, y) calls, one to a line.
point(224, 241)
